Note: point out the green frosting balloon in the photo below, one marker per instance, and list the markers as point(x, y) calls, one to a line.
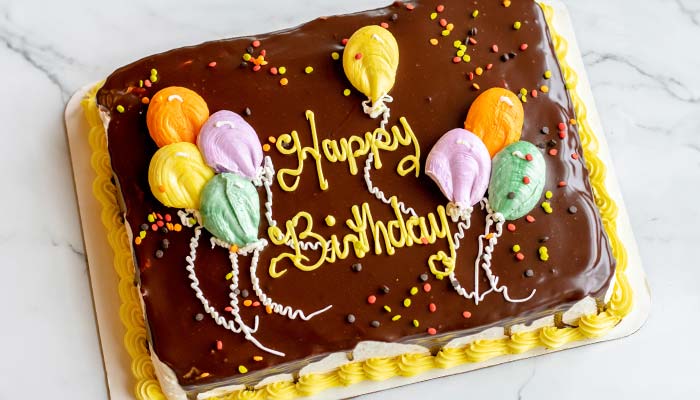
point(517, 180)
point(230, 209)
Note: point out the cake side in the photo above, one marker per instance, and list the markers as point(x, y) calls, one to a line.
point(550, 308)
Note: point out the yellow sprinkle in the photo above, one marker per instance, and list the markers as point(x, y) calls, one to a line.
point(516, 248)
point(547, 74)
point(330, 220)
point(416, 323)
point(154, 78)
point(466, 58)
point(204, 374)
point(346, 92)
point(407, 302)
point(460, 53)
point(457, 44)
point(247, 57)
point(463, 47)
point(271, 139)
point(242, 369)
point(475, 14)
point(229, 276)
point(142, 234)
point(523, 98)
point(282, 70)
point(433, 16)
point(450, 27)
point(446, 32)
point(309, 69)
point(334, 55)
point(257, 358)
point(120, 108)
point(489, 236)
point(479, 71)
point(434, 41)
point(544, 88)
point(387, 308)
point(396, 318)
point(154, 71)
point(414, 291)
point(517, 25)
point(506, 3)
point(523, 91)
point(284, 81)
point(548, 194)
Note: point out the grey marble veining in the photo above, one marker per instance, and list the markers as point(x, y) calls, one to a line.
point(643, 64)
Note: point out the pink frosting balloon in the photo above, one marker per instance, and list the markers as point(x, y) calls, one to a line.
point(229, 144)
point(460, 164)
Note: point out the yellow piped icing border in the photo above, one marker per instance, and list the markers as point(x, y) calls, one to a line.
point(376, 369)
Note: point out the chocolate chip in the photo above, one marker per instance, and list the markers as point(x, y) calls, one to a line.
point(244, 293)
point(250, 49)
point(545, 130)
point(357, 267)
point(423, 277)
point(199, 317)
point(573, 210)
point(248, 111)
point(511, 195)
point(529, 273)
point(385, 289)
point(552, 143)
point(505, 57)
point(544, 239)
point(165, 243)
point(394, 17)
point(144, 227)
point(164, 230)
point(350, 318)
point(375, 324)
point(243, 64)
point(159, 253)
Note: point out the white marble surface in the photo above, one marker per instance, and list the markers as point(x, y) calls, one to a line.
point(643, 63)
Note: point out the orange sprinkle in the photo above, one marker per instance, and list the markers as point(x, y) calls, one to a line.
point(177, 227)
point(268, 309)
point(137, 240)
point(145, 100)
point(247, 303)
point(257, 358)
point(161, 188)
point(204, 374)
point(284, 81)
point(434, 41)
point(266, 147)
point(272, 139)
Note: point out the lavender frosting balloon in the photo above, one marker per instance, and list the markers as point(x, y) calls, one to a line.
point(460, 164)
point(229, 144)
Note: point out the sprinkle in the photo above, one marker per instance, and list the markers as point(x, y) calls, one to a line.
point(440, 8)
point(433, 16)
point(120, 108)
point(387, 308)
point(219, 345)
point(416, 323)
point(489, 66)
point(145, 100)
point(466, 314)
point(257, 68)
point(423, 277)
point(154, 227)
point(547, 74)
point(357, 267)
point(212, 64)
point(199, 317)
point(396, 317)
point(510, 227)
point(526, 180)
point(244, 293)
point(427, 288)
point(410, 7)
point(446, 32)
point(544, 89)
point(523, 47)
point(406, 302)
point(434, 41)
point(424, 240)
point(137, 241)
point(358, 56)
point(520, 256)
point(242, 369)
point(553, 152)
point(443, 22)
point(476, 86)
point(346, 92)
point(529, 273)
point(350, 319)
point(573, 210)
point(147, 83)
point(548, 194)
point(282, 70)
point(494, 48)
point(248, 302)
point(268, 309)
point(432, 331)
point(384, 25)
point(516, 248)
point(456, 60)
point(371, 299)
point(457, 44)
point(335, 55)
point(266, 147)
point(489, 236)
point(228, 309)
point(284, 81)
point(475, 13)
point(413, 291)
point(394, 17)
point(375, 324)
point(574, 156)
point(142, 234)
point(470, 76)
point(344, 41)
point(517, 25)
point(248, 111)
point(466, 58)
point(544, 255)
point(472, 40)
point(256, 43)
point(274, 71)
point(562, 184)
point(257, 358)
point(479, 71)
point(229, 276)
point(534, 93)
point(432, 307)
point(450, 27)
point(177, 227)
point(530, 218)
point(547, 207)
point(204, 375)
point(247, 57)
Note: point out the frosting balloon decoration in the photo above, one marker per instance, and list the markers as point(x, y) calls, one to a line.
point(370, 61)
point(517, 181)
point(183, 175)
point(177, 174)
point(496, 116)
point(231, 209)
point(229, 144)
point(175, 114)
point(461, 166)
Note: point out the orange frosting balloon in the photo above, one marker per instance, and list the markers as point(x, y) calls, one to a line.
point(496, 117)
point(175, 115)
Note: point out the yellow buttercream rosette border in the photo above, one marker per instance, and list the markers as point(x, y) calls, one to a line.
point(376, 369)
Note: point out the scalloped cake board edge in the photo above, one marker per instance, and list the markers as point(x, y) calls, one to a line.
point(104, 280)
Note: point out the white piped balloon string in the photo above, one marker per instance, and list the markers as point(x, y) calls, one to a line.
point(458, 211)
point(378, 108)
point(277, 308)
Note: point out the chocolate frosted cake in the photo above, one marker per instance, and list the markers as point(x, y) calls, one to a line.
point(360, 197)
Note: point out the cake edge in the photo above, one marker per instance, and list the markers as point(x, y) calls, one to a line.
point(473, 348)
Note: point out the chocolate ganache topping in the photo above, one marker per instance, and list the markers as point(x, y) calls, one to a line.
point(507, 47)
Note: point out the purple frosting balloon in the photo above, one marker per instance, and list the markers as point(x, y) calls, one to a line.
point(229, 144)
point(460, 164)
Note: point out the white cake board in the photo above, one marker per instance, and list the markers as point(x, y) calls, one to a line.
point(104, 279)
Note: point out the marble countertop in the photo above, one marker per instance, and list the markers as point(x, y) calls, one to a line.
point(644, 73)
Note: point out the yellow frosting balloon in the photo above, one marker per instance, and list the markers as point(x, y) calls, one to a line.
point(177, 175)
point(176, 114)
point(370, 61)
point(496, 117)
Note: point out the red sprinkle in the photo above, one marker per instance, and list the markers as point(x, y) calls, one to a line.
point(534, 93)
point(263, 52)
point(574, 156)
point(562, 126)
point(160, 223)
point(471, 76)
point(257, 68)
point(520, 256)
point(212, 64)
point(256, 43)
point(344, 41)
point(256, 304)
point(472, 40)
point(526, 180)
point(510, 227)
point(561, 184)
point(489, 66)
point(228, 309)
point(384, 25)
point(159, 216)
point(410, 7)
point(427, 288)
point(528, 157)
point(467, 314)
point(274, 70)
point(219, 345)
point(523, 46)
point(168, 217)
point(562, 134)
point(372, 299)
point(494, 48)
point(432, 331)
point(154, 227)
point(456, 59)
point(424, 240)
point(553, 152)
point(443, 22)
point(432, 307)
point(440, 8)
point(530, 218)
point(358, 56)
